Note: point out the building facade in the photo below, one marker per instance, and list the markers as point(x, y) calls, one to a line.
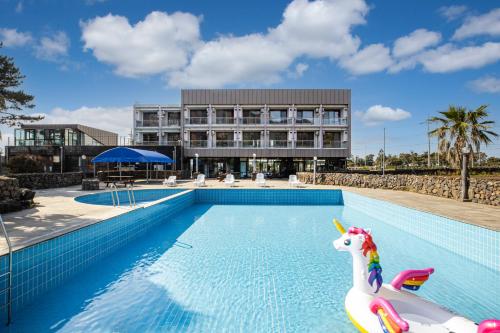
point(157, 125)
point(61, 147)
point(276, 131)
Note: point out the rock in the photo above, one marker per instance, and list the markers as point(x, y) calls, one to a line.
point(485, 191)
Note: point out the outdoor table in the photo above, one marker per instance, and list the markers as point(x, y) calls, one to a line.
point(120, 179)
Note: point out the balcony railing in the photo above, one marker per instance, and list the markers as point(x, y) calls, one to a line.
point(48, 142)
point(225, 144)
point(224, 120)
point(280, 121)
point(150, 123)
point(198, 120)
point(251, 121)
point(309, 121)
point(198, 143)
point(278, 143)
point(150, 143)
point(173, 142)
point(304, 144)
point(251, 143)
point(334, 121)
point(173, 122)
point(334, 144)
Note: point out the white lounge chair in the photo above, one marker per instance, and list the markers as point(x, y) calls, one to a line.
point(200, 180)
point(260, 180)
point(171, 181)
point(293, 181)
point(229, 180)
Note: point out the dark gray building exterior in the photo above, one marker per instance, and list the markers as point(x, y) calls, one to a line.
point(277, 131)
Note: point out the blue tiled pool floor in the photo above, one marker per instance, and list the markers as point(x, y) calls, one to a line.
point(251, 268)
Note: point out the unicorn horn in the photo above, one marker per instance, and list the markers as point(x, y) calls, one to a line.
point(339, 226)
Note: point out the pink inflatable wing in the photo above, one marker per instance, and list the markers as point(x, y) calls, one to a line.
point(387, 316)
point(489, 326)
point(411, 279)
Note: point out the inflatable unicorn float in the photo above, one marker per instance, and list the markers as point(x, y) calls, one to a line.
point(376, 307)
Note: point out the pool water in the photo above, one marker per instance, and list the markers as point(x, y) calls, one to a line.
point(141, 196)
point(248, 268)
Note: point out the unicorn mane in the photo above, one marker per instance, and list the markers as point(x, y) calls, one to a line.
point(369, 247)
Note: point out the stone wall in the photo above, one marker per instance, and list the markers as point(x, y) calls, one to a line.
point(48, 180)
point(485, 191)
point(12, 197)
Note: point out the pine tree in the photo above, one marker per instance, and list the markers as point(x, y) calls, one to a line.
point(13, 101)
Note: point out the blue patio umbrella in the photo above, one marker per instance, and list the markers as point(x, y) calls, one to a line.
point(131, 155)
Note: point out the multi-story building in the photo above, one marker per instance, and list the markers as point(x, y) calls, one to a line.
point(157, 125)
point(279, 131)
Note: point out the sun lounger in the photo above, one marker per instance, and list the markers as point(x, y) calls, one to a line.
point(260, 180)
point(200, 180)
point(171, 181)
point(229, 180)
point(293, 181)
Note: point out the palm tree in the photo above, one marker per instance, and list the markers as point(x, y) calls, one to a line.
point(459, 127)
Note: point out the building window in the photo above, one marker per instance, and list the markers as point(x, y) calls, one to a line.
point(251, 117)
point(278, 139)
point(173, 139)
point(251, 139)
point(305, 140)
point(224, 139)
point(174, 119)
point(198, 139)
point(198, 117)
point(277, 117)
point(332, 117)
point(150, 119)
point(224, 116)
point(305, 117)
point(150, 138)
point(332, 140)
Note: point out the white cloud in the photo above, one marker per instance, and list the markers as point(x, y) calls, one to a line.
point(377, 114)
point(300, 69)
point(114, 119)
point(452, 12)
point(234, 60)
point(415, 42)
point(486, 24)
point(315, 29)
point(19, 7)
point(320, 28)
point(448, 58)
point(170, 44)
point(371, 59)
point(487, 84)
point(158, 44)
point(53, 47)
point(14, 38)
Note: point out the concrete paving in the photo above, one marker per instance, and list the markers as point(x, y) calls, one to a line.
point(57, 212)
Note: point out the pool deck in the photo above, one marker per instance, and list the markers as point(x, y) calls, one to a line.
point(56, 212)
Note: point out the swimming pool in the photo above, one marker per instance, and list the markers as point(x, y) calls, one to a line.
point(222, 260)
point(141, 196)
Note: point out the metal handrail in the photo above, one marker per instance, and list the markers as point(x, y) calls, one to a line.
point(117, 202)
point(131, 195)
point(9, 284)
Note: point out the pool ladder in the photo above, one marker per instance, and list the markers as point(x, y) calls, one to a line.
point(8, 273)
point(116, 198)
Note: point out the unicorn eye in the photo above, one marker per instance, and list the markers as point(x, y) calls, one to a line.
point(347, 242)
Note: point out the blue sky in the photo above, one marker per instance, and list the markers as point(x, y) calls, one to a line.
point(88, 61)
